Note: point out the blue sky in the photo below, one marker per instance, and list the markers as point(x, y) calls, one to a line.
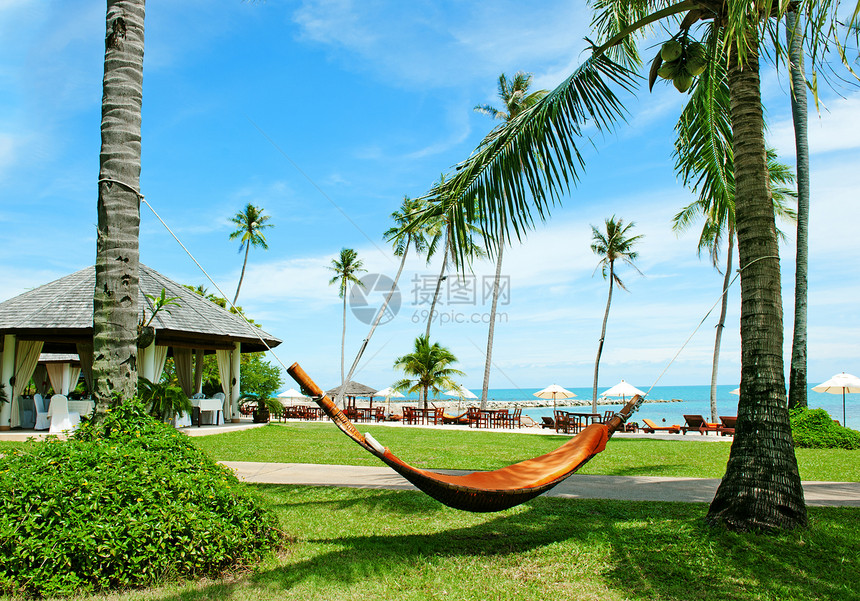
point(326, 113)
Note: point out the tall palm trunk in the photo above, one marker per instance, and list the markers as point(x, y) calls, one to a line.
point(491, 333)
point(379, 315)
point(761, 488)
point(721, 324)
point(439, 281)
point(342, 349)
point(602, 337)
point(115, 299)
point(797, 373)
point(242, 275)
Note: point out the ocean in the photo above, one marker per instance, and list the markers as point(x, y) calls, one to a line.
point(695, 400)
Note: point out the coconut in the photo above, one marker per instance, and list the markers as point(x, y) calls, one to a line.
point(671, 51)
point(696, 66)
point(683, 82)
point(668, 70)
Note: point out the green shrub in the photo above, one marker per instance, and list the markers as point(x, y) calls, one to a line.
point(815, 429)
point(126, 503)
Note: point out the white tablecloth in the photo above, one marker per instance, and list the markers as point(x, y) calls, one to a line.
point(84, 407)
point(213, 405)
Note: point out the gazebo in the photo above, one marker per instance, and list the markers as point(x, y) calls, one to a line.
point(58, 318)
point(353, 389)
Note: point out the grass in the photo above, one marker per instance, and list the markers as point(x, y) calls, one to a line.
point(379, 544)
point(456, 449)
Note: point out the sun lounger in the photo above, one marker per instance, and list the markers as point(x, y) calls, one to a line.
point(697, 423)
point(650, 427)
point(547, 422)
point(727, 425)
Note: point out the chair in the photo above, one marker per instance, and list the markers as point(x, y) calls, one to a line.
point(499, 419)
point(43, 422)
point(727, 425)
point(410, 417)
point(607, 415)
point(562, 421)
point(26, 412)
point(379, 414)
point(473, 416)
point(61, 419)
point(698, 424)
point(547, 422)
point(650, 427)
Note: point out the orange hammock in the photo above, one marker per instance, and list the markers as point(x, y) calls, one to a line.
point(482, 491)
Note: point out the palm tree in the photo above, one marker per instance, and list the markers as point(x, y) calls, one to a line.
point(719, 214)
point(516, 98)
point(402, 238)
point(536, 157)
point(429, 364)
point(611, 246)
point(797, 371)
point(250, 224)
point(346, 270)
point(115, 298)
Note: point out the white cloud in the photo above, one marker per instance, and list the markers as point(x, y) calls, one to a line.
point(836, 128)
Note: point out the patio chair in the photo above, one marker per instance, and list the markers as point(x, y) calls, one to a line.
point(26, 412)
point(547, 422)
point(650, 427)
point(727, 425)
point(473, 415)
point(62, 420)
point(607, 415)
point(562, 421)
point(43, 422)
point(698, 424)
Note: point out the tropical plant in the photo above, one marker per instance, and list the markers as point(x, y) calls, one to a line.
point(719, 225)
point(536, 157)
point(611, 245)
point(115, 304)
point(346, 270)
point(3, 396)
point(439, 229)
point(159, 302)
point(250, 224)
point(429, 366)
point(516, 98)
point(163, 400)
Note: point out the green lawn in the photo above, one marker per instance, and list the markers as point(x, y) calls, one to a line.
point(380, 544)
point(456, 449)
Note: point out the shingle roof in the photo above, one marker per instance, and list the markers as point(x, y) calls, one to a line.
point(64, 309)
point(353, 389)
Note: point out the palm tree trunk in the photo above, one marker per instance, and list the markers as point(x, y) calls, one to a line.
point(379, 313)
point(490, 334)
point(602, 337)
point(115, 298)
point(721, 324)
point(342, 350)
point(797, 374)
point(438, 282)
point(761, 488)
point(242, 275)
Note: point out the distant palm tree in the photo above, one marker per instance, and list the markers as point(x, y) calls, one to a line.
point(346, 270)
point(402, 238)
point(429, 364)
point(611, 246)
point(718, 208)
point(250, 222)
point(516, 98)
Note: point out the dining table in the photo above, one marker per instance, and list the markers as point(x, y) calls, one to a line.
point(83, 407)
point(216, 406)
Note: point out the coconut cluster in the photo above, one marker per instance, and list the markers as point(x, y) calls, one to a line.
point(682, 61)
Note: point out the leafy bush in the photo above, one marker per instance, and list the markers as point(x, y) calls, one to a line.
point(128, 502)
point(815, 429)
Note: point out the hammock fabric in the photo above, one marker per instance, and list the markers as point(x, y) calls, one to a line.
point(482, 491)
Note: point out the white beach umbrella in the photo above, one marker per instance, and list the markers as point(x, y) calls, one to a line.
point(462, 393)
point(736, 391)
point(840, 383)
point(554, 392)
point(623, 390)
point(388, 393)
point(292, 395)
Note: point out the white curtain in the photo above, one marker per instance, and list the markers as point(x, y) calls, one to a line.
point(74, 374)
point(26, 358)
point(85, 353)
point(58, 374)
point(225, 372)
point(40, 379)
point(182, 360)
point(198, 371)
point(160, 358)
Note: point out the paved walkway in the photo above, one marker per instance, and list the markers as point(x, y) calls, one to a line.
point(622, 488)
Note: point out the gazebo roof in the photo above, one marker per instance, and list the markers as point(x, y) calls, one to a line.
point(61, 314)
point(353, 389)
